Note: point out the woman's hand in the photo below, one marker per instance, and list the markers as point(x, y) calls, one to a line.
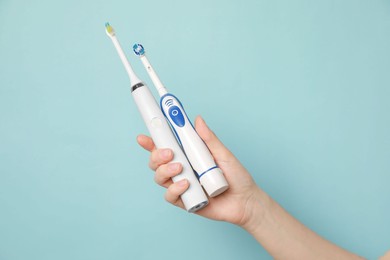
point(244, 204)
point(234, 205)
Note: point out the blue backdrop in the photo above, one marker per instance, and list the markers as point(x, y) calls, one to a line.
point(298, 90)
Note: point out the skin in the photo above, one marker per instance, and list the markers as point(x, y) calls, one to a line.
point(244, 203)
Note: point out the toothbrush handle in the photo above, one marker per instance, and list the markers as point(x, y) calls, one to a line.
point(210, 176)
point(194, 198)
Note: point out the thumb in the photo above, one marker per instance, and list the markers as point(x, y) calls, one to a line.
point(216, 147)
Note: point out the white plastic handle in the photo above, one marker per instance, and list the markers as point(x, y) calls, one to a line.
point(198, 154)
point(194, 198)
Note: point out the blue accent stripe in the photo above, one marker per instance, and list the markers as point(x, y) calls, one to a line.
point(203, 173)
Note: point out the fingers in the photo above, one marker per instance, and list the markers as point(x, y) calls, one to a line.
point(217, 148)
point(159, 157)
point(159, 162)
point(165, 172)
point(163, 176)
point(175, 190)
point(146, 142)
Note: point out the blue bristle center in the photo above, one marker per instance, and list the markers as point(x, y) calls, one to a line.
point(138, 49)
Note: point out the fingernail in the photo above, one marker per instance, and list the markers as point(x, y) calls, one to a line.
point(173, 167)
point(166, 153)
point(182, 183)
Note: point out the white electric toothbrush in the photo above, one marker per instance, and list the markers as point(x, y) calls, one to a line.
point(194, 198)
point(209, 174)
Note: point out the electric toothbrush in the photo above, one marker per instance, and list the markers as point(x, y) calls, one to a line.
point(194, 197)
point(199, 156)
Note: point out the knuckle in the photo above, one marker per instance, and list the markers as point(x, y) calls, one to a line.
point(160, 175)
point(153, 161)
point(168, 197)
point(157, 179)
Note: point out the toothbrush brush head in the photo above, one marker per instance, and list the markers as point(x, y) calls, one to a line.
point(109, 30)
point(138, 49)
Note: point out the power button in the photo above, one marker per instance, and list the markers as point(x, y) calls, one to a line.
point(156, 122)
point(177, 116)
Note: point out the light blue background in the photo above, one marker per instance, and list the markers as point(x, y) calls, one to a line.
point(298, 90)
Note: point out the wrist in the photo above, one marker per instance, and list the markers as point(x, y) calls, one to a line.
point(257, 206)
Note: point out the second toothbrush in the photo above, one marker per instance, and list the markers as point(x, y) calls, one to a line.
point(199, 156)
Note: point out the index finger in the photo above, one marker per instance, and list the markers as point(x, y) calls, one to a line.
point(146, 142)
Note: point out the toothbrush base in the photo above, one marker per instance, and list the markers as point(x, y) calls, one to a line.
point(198, 207)
point(214, 182)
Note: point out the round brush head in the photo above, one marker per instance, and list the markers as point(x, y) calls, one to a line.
point(138, 49)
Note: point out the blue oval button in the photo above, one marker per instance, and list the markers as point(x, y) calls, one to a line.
point(177, 116)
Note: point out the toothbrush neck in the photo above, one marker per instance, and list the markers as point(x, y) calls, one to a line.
point(153, 75)
point(133, 77)
point(162, 91)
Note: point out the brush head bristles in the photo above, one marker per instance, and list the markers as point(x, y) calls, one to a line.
point(138, 49)
point(109, 30)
